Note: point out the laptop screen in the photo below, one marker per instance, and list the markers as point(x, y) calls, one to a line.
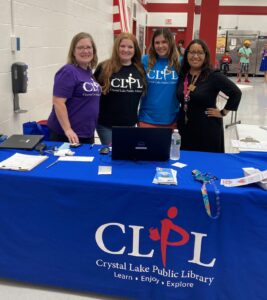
point(135, 143)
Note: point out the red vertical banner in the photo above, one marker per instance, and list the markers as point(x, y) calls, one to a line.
point(190, 22)
point(209, 14)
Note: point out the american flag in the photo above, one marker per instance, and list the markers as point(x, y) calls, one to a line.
point(120, 17)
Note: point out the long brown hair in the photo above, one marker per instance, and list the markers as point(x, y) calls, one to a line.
point(113, 65)
point(79, 36)
point(173, 55)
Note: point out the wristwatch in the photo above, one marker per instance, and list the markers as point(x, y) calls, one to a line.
point(223, 113)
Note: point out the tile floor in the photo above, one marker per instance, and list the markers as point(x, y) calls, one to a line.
point(252, 110)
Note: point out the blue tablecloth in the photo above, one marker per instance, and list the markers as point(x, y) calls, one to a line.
point(67, 226)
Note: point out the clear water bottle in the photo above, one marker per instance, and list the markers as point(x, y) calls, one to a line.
point(175, 145)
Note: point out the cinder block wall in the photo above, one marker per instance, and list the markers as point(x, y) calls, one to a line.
point(45, 29)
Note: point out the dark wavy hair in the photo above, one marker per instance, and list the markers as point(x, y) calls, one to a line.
point(207, 66)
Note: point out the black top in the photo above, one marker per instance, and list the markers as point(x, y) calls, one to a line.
point(119, 106)
point(202, 133)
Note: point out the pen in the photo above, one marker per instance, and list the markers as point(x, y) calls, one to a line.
point(91, 146)
point(53, 163)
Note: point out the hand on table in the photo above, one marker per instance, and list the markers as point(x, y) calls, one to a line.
point(72, 136)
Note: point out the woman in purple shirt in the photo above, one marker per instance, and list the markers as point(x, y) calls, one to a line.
point(76, 94)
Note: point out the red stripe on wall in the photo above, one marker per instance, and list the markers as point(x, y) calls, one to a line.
point(238, 10)
point(243, 10)
point(166, 7)
point(190, 22)
point(208, 30)
point(223, 10)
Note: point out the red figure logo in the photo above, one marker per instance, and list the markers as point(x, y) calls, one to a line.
point(166, 227)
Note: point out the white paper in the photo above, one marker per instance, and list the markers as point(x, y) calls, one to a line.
point(104, 170)
point(76, 158)
point(233, 42)
point(245, 131)
point(249, 146)
point(64, 152)
point(179, 165)
point(22, 162)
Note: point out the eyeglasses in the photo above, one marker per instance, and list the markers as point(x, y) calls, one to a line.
point(82, 48)
point(197, 53)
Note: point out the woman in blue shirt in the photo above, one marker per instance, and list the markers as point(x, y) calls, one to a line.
point(159, 106)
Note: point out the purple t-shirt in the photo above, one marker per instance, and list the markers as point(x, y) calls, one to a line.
point(82, 93)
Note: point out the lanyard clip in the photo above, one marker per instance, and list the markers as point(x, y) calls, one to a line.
point(203, 177)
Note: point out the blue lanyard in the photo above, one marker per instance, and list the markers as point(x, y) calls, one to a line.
point(208, 179)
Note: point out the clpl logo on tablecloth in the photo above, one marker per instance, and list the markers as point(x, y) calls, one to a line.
point(167, 226)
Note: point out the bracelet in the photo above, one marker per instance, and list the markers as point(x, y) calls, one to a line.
point(222, 112)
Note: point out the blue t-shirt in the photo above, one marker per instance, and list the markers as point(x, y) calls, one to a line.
point(160, 104)
point(82, 93)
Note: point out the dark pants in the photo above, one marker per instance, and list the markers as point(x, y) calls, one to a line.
point(225, 68)
point(62, 138)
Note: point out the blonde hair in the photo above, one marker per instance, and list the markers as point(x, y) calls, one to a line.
point(113, 64)
point(247, 42)
point(173, 55)
point(79, 36)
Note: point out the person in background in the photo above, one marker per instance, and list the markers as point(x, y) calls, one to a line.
point(200, 122)
point(263, 66)
point(180, 48)
point(122, 78)
point(159, 106)
point(244, 53)
point(226, 60)
point(76, 94)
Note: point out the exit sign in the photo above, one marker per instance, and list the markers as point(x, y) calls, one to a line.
point(168, 21)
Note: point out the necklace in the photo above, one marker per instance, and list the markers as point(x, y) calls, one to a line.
point(187, 89)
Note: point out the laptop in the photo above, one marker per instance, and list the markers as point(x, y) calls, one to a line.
point(135, 143)
point(20, 141)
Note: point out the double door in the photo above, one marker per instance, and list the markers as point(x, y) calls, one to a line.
point(234, 42)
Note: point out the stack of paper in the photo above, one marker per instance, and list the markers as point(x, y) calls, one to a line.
point(22, 162)
point(165, 176)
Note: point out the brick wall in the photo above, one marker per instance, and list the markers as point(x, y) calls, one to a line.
point(45, 29)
